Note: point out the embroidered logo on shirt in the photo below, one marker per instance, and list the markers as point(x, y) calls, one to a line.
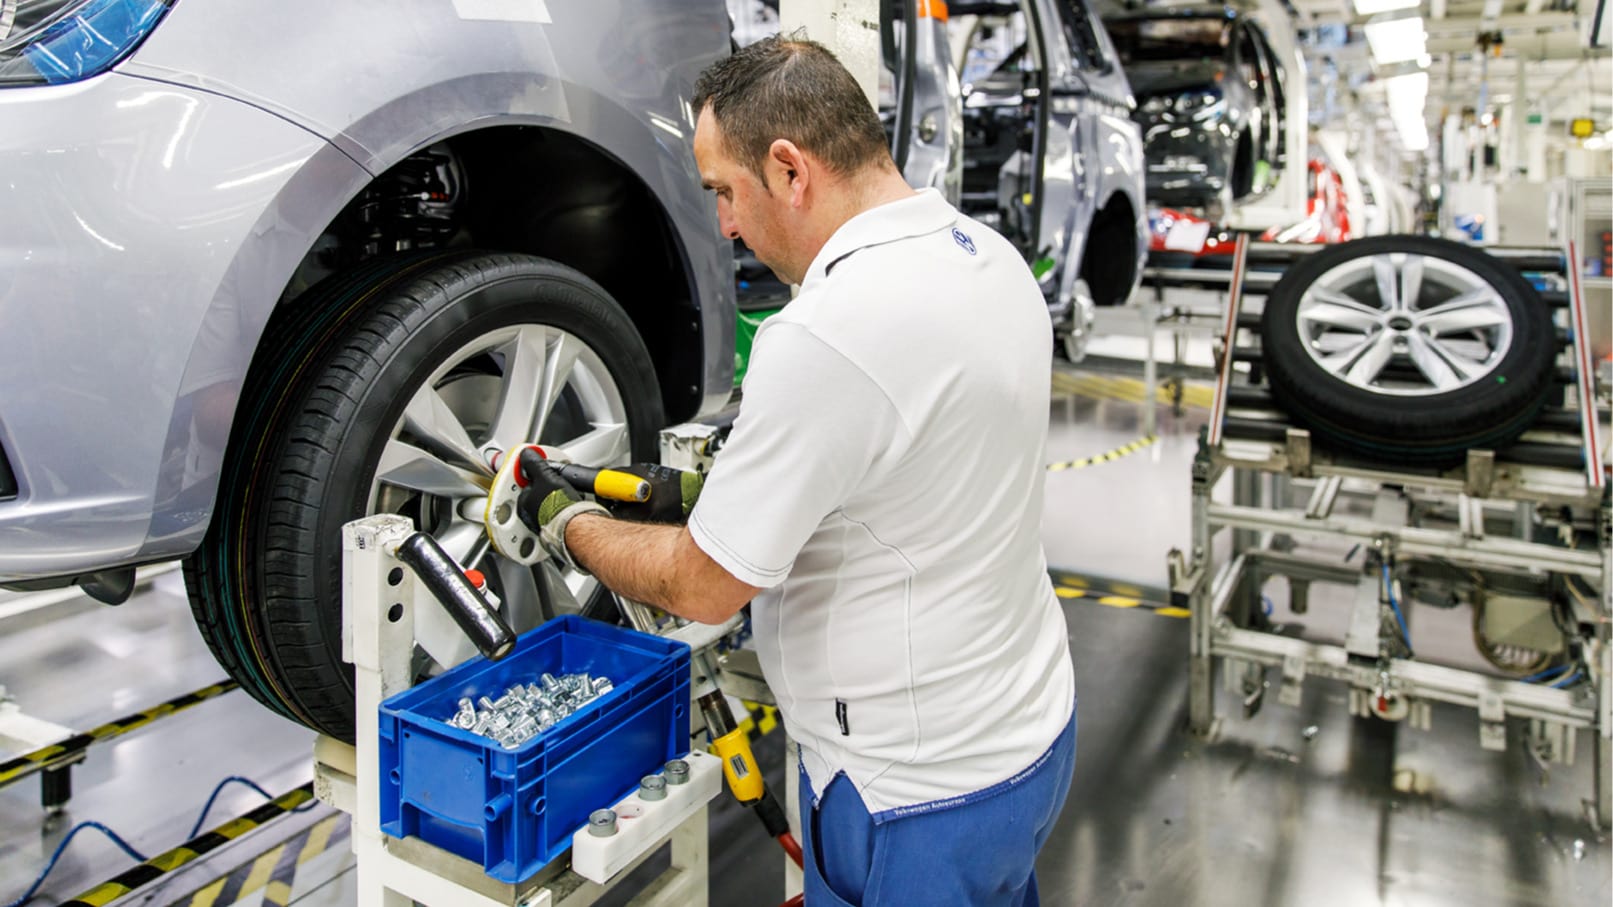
point(964, 240)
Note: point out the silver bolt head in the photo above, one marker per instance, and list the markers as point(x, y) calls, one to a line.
point(602, 823)
point(677, 772)
point(652, 787)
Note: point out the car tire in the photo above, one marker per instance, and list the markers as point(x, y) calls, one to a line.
point(1466, 362)
point(372, 393)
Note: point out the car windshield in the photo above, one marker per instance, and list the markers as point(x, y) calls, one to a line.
point(1143, 40)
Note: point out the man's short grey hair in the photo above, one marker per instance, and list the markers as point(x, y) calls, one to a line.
point(791, 88)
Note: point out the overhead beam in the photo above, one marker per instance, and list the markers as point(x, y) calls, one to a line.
point(1530, 47)
point(1548, 21)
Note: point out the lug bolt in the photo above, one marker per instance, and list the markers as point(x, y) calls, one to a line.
point(677, 772)
point(652, 787)
point(602, 823)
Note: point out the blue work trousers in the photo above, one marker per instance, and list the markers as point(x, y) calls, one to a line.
point(980, 852)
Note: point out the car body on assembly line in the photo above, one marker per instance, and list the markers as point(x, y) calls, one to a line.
point(1052, 159)
point(1211, 102)
point(273, 266)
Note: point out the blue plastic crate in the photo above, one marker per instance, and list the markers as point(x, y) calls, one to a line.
point(515, 810)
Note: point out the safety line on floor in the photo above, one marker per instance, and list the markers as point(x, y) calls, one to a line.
point(1131, 390)
point(274, 871)
point(1114, 594)
point(192, 850)
point(1107, 456)
point(761, 720)
point(72, 748)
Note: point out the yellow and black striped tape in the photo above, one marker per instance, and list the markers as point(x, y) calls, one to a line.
point(67, 750)
point(163, 863)
point(1114, 594)
point(275, 871)
point(1106, 456)
point(760, 721)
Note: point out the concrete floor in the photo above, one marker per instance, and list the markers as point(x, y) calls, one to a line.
point(1296, 806)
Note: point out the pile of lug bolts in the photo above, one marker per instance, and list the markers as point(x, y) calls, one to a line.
point(525, 711)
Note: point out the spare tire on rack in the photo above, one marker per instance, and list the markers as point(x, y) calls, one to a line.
point(1408, 348)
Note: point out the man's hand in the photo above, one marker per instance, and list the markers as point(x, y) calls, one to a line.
point(548, 503)
point(673, 493)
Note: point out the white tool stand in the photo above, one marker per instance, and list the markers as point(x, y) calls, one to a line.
point(379, 599)
point(1405, 528)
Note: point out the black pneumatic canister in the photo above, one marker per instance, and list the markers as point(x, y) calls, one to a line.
point(475, 617)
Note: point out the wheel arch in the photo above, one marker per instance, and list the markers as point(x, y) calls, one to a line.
point(1113, 277)
point(690, 337)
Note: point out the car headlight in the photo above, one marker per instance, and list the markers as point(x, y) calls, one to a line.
point(56, 41)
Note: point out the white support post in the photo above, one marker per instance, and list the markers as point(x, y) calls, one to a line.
point(849, 28)
point(378, 618)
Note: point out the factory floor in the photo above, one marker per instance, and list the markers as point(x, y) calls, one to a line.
point(1294, 806)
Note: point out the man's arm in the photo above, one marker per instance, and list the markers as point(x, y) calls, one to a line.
point(658, 565)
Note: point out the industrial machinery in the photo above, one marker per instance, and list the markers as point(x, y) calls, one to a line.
point(1519, 535)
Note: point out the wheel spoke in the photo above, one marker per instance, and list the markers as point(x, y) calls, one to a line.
point(404, 465)
point(1354, 316)
point(525, 357)
point(563, 351)
point(465, 542)
point(1466, 366)
point(1383, 267)
point(433, 424)
point(522, 606)
point(1440, 373)
point(1411, 281)
point(1374, 357)
point(605, 445)
point(1334, 297)
point(1477, 308)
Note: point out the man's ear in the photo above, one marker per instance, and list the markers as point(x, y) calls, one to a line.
point(791, 166)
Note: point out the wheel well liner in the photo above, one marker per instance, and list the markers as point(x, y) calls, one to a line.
point(1109, 263)
point(546, 192)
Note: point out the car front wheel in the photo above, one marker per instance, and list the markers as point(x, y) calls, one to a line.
point(385, 390)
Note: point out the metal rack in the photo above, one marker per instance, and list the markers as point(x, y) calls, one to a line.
point(1472, 535)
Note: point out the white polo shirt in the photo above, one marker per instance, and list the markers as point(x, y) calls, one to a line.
point(883, 484)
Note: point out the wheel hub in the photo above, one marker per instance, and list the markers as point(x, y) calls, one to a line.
point(1404, 324)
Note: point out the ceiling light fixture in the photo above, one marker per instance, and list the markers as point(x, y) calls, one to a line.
point(1408, 96)
point(1373, 7)
point(1397, 40)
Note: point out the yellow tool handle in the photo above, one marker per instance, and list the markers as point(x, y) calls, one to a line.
point(621, 486)
point(744, 778)
point(607, 483)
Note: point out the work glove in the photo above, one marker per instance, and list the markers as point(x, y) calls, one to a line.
point(548, 504)
point(673, 493)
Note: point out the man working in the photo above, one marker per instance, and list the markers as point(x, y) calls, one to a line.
point(879, 502)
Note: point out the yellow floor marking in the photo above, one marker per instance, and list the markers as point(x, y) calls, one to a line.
point(208, 895)
point(318, 840)
point(1062, 592)
point(277, 893)
point(1173, 612)
point(262, 868)
point(1119, 601)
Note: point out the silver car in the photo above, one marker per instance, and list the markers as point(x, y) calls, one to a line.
point(270, 265)
point(1052, 159)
